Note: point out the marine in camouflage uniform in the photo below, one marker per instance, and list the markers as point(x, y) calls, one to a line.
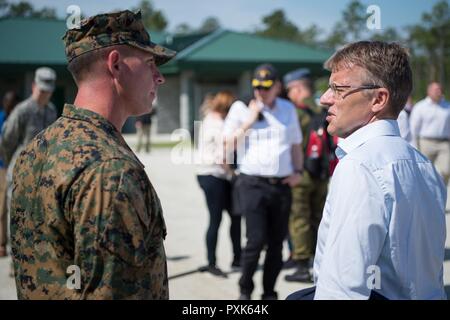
point(82, 198)
point(26, 120)
point(308, 198)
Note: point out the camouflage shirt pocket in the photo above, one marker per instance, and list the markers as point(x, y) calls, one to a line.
point(129, 234)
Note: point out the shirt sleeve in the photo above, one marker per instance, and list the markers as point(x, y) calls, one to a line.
point(358, 228)
point(295, 131)
point(119, 231)
point(234, 118)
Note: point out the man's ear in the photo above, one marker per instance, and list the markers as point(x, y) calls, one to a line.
point(113, 62)
point(380, 100)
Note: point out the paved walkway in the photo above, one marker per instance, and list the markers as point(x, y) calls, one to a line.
point(186, 218)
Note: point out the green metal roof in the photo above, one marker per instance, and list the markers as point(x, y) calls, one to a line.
point(229, 52)
point(232, 46)
point(181, 42)
point(32, 41)
point(38, 41)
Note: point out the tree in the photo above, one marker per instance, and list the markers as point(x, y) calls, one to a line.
point(277, 26)
point(309, 35)
point(152, 19)
point(350, 27)
point(337, 37)
point(25, 9)
point(21, 9)
point(210, 24)
point(431, 39)
point(354, 18)
point(3, 7)
point(388, 35)
point(183, 28)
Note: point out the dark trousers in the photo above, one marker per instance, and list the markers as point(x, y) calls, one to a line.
point(308, 294)
point(218, 198)
point(266, 206)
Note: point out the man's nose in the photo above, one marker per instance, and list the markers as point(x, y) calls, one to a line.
point(327, 98)
point(159, 78)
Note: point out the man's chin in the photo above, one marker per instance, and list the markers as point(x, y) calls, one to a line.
point(142, 111)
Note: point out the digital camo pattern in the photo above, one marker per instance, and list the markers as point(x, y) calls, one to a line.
point(103, 30)
point(82, 198)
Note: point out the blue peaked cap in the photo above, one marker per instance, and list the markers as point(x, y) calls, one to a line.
point(298, 74)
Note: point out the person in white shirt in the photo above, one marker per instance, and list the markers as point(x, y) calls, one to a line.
point(214, 176)
point(382, 235)
point(430, 129)
point(270, 161)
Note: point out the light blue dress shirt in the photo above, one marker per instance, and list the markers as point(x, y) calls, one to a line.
point(385, 211)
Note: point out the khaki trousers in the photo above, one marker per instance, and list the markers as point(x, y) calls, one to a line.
point(438, 151)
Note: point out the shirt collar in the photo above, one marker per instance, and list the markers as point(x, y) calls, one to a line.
point(72, 112)
point(275, 106)
point(375, 129)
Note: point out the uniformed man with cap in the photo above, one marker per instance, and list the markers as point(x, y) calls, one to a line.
point(270, 162)
point(27, 119)
point(308, 198)
point(86, 222)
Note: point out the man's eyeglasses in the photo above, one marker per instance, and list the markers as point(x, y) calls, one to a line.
point(340, 93)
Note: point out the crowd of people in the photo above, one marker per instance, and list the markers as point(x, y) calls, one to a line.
point(339, 179)
point(281, 190)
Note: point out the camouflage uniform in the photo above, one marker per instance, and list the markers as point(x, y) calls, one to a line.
point(308, 199)
point(24, 123)
point(82, 198)
point(108, 29)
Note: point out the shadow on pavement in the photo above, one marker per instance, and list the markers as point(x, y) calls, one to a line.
point(177, 258)
point(183, 274)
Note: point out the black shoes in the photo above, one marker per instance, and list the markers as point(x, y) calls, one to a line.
point(265, 296)
point(214, 270)
point(302, 273)
point(236, 265)
point(245, 296)
point(290, 264)
point(269, 296)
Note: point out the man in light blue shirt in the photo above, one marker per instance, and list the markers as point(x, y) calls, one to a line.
point(382, 235)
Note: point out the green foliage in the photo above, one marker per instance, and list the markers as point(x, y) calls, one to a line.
point(430, 45)
point(153, 19)
point(210, 24)
point(183, 28)
point(354, 19)
point(388, 35)
point(25, 9)
point(276, 25)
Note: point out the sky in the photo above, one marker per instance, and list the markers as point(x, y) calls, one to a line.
point(246, 15)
